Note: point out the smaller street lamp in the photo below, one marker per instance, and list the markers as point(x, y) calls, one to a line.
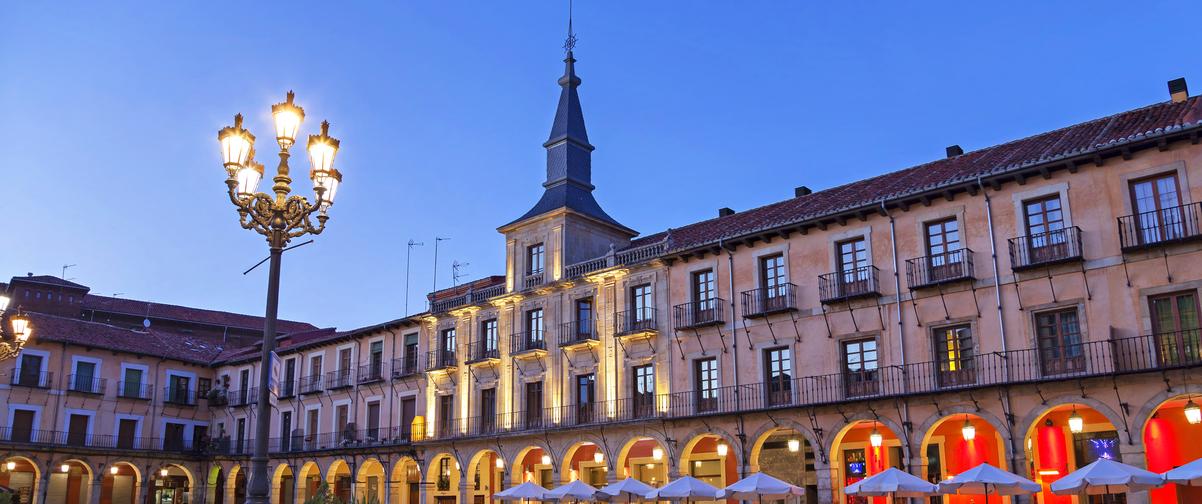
point(723, 449)
point(1076, 424)
point(1193, 414)
point(875, 439)
point(968, 430)
point(794, 445)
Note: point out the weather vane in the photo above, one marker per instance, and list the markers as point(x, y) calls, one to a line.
point(570, 43)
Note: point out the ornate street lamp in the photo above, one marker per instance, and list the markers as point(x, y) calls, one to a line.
point(968, 431)
point(1193, 414)
point(21, 331)
point(280, 217)
point(1076, 424)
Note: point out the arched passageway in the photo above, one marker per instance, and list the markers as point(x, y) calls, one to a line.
point(338, 477)
point(1065, 438)
point(406, 480)
point(533, 464)
point(710, 458)
point(785, 454)
point(861, 449)
point(644, 459)
point(120, 484)
point(443, 478)
point(1171, 438)
point(957, 443)
point(585, 461)
point(283, 485)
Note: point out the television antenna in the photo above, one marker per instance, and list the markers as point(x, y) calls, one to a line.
point(409, 252)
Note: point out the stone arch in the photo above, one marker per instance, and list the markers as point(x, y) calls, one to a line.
point(1102, 408)
point(399, 480)
point(365, 470)
point(516, 462)
point(732, 465)
point(280, 490)
point(577, 440)
point(517, 455)
point(454, 477)
point(309, 469)
point(1140, 419)
point(337, 469)
point(1003, 430)
point(766, 428)
point(864, 416)
point(127, 465)
point(231, 481)
point(583, 449)
point(24, 464)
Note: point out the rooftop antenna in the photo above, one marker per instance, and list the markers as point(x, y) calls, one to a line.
point(118, 294)
point(407, 254)
point(437, 240)
point(458, 271)
point(65, 266)
point(570, 43)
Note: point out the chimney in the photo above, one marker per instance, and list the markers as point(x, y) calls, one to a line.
point(725, 212)
point(953, 151)
point(1178, 91)
point(800, 191)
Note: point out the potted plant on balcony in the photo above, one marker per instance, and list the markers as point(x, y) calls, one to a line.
point(217, 397)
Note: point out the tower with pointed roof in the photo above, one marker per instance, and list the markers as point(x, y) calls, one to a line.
point(566, 221)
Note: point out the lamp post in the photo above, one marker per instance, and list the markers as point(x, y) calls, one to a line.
point(280, 217)
point(21, 330)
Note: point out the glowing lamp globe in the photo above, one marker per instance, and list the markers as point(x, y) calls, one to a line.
point(657, 454)
point(794, 445)
point(500, 464)
point(249, 177)
point(4, 303)
point(10, 465)
point(113, 470)
point(598, 457)
point(1193, 414)
point(1076, 424)
point(322, 149)
point(288, 118)
point(163, 472)
point(236, 144)
point(875, 439)
point(723, 449)
point(64, 468)
point(968, 431)
point(328, 184)
point(20, 325)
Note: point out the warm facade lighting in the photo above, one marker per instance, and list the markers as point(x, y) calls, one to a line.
point(723, 449)
point(11, 466)
point(794, 445)
point(288, 118)
point(163, 472)
point(1049, 472)
point(546, 460)
point(500, 464)
point(598, 457)
point(113, 470)
point(968, 430)
point(875, 439)
point(1076, 424)
point(657, 454)
point(1193, 414)
point(64, 468)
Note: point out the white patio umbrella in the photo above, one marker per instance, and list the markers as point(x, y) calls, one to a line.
point(527, 490)
point(1189, 474)
point(628, 487)
point(576, 490)
point(684, 487)
point(985, 480)
point(1105, 476)
point(762, 486)
point(892, 482)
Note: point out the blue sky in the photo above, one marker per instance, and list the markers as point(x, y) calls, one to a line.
point(110, 112)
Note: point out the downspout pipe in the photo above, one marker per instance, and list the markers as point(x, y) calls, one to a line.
point(901, 330)
point(734, 332)
point(1001, 321)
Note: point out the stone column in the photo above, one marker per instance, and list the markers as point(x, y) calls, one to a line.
point(387, 483)
point(45, 486)
point(463, 488)
point(97, 479)
point(822, 476)
point(1135, 455)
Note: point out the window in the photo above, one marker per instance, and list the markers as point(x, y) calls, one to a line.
point(239, 441)
point(1059, 339)
point(311, 428)
point(203, 385)
point(1044, 219)
point(641, 303)
point(954, 352)
point(705, 301)
point(535, 257)
point(373, 420)
point(488, 410)
point(288, 388)
point(410, 362)
point(1175, 322)
point(243, 386)
point(944, 256)
point(534, 328)
point(1157, 207)
point(179, 389)
point(585, 397)
point(446, 415)
point(30, 371)
point(852, 255)
point(488, 337)
point(131, 383)
point(643, 390)
point(342, 418)
point(860, 367)
point(22, 423)
point(376, 359)
point(408, 413)
point(314, 382)
point(344, 368)
point(705, 382)
point(127, 432)
point(446, 346)
point(77, 429)
point(774, 288)
point(285, 430)
point(584, 319)
point(778, 375)
point(534, 404)
point(85, 379)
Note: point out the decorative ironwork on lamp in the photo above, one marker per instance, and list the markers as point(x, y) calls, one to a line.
point(20, 329)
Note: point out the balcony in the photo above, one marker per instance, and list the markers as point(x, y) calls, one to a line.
point(134, 390)
point(636, 321)
point(29, 436)
point(340, 379)
point(1045, 249)
point(288, 389)
point(179, 396)
point(86, 384)
point(440, 359)
point(939, 269)
point(405, 366)
point(533, 280)
point(31, 379)
point(1160, 227)
point(310, 384)
point(768, 300)
point(528, 341)
point(371, 372)
point(239, 398)
point(855, 283)
point(577, 333)
point(482, 351)
point(699, 314)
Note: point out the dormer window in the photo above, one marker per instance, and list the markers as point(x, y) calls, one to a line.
point(535, 259)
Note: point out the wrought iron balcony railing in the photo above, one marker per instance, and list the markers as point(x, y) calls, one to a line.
point(310, 384)
point(769, 300)
point(340, 379)
point(1042, 249)
point(851, 284)
point(288, 388)
point(577, 332)
point(179, 396)
point(635, 321)
point(405, 366)
point(31, 379)
point(237, 398)
point(86, 384)
point(936, 269)
point(1160, 227)
point(697, 314)
point(371, 372)
point(440, 359)
point(528, 341)
point(134, 390)
point(20, 435)
point(482, 350)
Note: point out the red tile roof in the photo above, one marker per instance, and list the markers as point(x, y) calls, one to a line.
point(462, 289)
point(185, 313)
point(154, 342)
point(1072, 141)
